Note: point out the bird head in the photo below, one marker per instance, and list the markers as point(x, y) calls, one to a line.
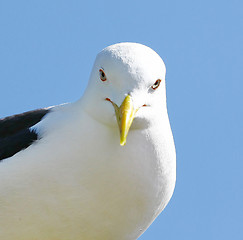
point(127, 84)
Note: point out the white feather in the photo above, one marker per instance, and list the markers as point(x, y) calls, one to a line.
point(77, 182)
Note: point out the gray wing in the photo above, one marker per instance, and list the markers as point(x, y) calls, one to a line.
point(15, 132)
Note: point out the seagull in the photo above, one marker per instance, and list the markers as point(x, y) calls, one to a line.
point(101, 168)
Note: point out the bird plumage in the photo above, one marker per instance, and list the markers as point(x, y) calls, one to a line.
point(16, 133)
point(75, 181)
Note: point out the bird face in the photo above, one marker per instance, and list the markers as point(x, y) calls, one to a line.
point(127, 84)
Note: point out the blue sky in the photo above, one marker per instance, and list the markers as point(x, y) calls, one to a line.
point(47, 49)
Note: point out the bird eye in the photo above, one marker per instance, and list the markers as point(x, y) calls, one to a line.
point(102, 75)
point(156, 84)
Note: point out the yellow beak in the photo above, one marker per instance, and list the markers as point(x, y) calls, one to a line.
point(124, 116)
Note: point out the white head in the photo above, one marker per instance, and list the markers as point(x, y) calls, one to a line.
point(126, 69)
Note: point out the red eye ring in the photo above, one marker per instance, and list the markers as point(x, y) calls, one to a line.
point(102, 75)
point(156, 84)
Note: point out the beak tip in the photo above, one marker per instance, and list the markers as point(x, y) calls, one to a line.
point(123, 143)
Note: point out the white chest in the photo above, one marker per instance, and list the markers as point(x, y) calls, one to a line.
point(85, 188)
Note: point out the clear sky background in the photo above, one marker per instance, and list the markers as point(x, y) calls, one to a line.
point(47, 49)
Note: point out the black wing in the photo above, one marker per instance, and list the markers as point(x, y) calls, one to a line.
point(15, 132)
